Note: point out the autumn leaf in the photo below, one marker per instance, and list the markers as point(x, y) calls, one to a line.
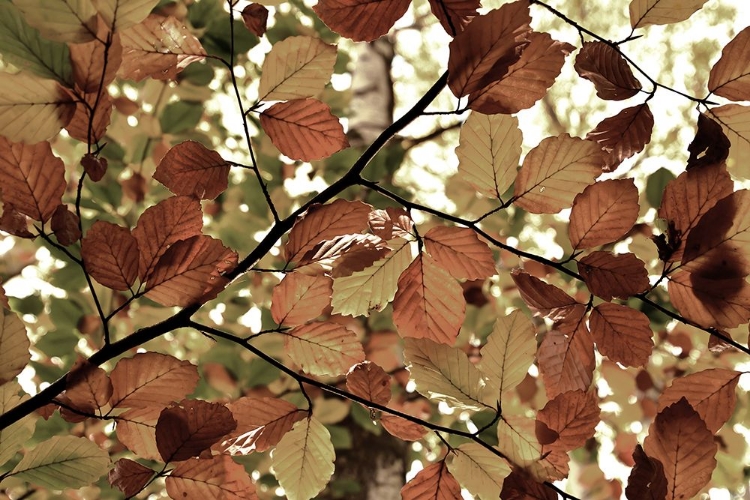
point(255, 17)
point(299, 298)
point(609, 275)
point(88, 127)
point(110, 255)
point(433, 482)
point(324, 348)
point(647, 480)
point(136, 429)
point(95, 63)
point(368, 380)
point(518, 486)
point(479, 470)
point(303, 459)
point(549, 300)
point(509, 351)
point(402, 428)
point(454, 15)
point(429, 303)
point(735, 122)
point(487, 47)
point(151, 379)
point(489, 150)
point(296, 67)
point(74, 22)
point(187, 429)
point(14, 345)
point(345, 255)
point(603, 213)
point(129, 476)
point(723, 302)
point(710, 145)
point(261, 423)
point(646, 12)
point(517, 441)
point(121, 14)
point(527, 80)
point(88, 386)
point(14, 437)
point(190, 272)
point(304, 129)
point(191, 169)
point(459, 251)
point(679, 439)
point(573, 416)
point(555, 171)
point(607, 70)
point(624, 134)
point(361, 20)
point(730, 76)
point(391, 223)
point(215, 477)
point(622, 334)
point(710, 392)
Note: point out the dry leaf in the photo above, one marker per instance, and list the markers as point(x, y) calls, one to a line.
point(186, 430)
point(110, 255)
point(191, 169)
point(609, 275)
point(434, 482)
point(603, 213)
point(607, 70)
point(361, 20)
point(624, 134)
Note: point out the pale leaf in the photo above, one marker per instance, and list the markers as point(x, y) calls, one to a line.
point(129, 476)
point(14, 345)
point(217, 477)
point(121, 14)
point(603, 213)
point(624, 134)
point(646, 12)
point(369, 381)
point(187, 430)
point(622, 333)
point(459, 251)
point(300, 298)
point(303, 459)
point(69, 21)
point(391, 223)
point(324, 348)
point(151, 379)
point(517, 441)
point(509, 351)
point(16, 435)
point(730, 76)
point(261, 423)
point(110, 255)
point(735, 122)
point(434, 482)
point(361, 20)
point(573, 416)
point(296, 67)
point(607, 70)
point(191, 169)
point(479, 470)
point(610, 275)
point(136, 429)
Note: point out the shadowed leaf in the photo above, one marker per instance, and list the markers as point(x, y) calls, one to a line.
point(187, 430)
point(215, 477)
point(607, 70)
point(261, 423)
point(255, 17)
point(647, 480)
point(710, 302)
point(94, 63)
point(573, 416)
point(70, 21)
point(735, 122)
point(547, 299)
point(624, 134)
point(129, 476)
point(361, 20)
point(454, 15)
point(710, 145)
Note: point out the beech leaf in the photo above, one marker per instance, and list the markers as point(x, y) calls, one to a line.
point(603, 213)
point(434, 482)
point(609, 275)
point(215, 477)
point(549, 300)
point(187, 430)
point(70, 21)
point(369, 381)
point(479, 470)
point(607, 70)
point(624, 134)
point(14, 437)
point(346, 254)
point(622, 334)
point(191, 169)
point(87, 128)
point(110, 254)
point(361, 20)
point(518, 485)
point(730, 76)
point(402, 428)
point(647, 480)
point(517, 441)
point(88, 386)
point(64, 224)
point(723, 302)
point(391, 223)
point(573, 416)
point(14, 345)
point(710, 145)
point(735, 122)
point(509, 351)
point(129, 476)
point(255, 17)
point(296, 67)
point(454, 15)
point(121, 14)
point(136, 429)
point(459, 251)
point(93, 58)
point(646, 12)
point(261, 423)
point(300, 298)
point(324, 348)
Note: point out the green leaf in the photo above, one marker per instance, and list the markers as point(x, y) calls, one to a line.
point(180, 116)
point(656, 184)
point(63, 462)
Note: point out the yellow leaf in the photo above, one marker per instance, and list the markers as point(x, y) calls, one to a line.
point(645, 12)
point(509, 351)
point(121, 14)
point(730, 76)
point(13, 437)
point(735, 122)
point(324, 348)
point(297, 67)
point(303, 459)
point(479, 470)
point(14, 345)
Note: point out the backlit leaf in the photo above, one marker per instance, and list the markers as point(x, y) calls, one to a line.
point(361, 20)
point(16, 435)
point(14, 345)
point(151, 379)
point(517, 441)
point(88, 386)
point(296, 67)
point(509, 351)
point(459, 251)
point(566, 357)
point(603, 213)
point(723, 302)
point(549, 300)
point(129, 476)
point(69, 21)
point(622, 333)
point(121, 14)
point(187, 430)
point(93, 58)
point(607, 70)
point(735, 122)
point(215, 477)
point(679, 439)
point(346, 254)
point(190, 272)
point(324, 348)
point(434, 482)
point(710, 392)
point(454, 15)
point(303, 459)
point(730, 76)
point(304, 129)
point(191, 169)
point(33, 178)
point(429, 303)
point(555, 171)
point(87, 129)
point(573, 416)
point(63, 462)
point(110, 254)
point(391, 223)
point(261, 423)
point(527, 80)
point(136, 429)
point(645, 12)
point(489, 150)
point(624, 134)
point(647, 479)
point(479, 470)
point(444, 373)
point(369, 381)
point(300, 298)
point(488, 46)
point(402, 428)
point(610, 275)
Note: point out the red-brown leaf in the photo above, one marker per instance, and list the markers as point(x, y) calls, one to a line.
point(65, 226)
point(324, 222)
point(607, 70)
point(129, 476)
point(723, 303)
point(647, 480)
point(151, 379)
point(304, 129)
point(255, 17)
point(110, 254)
point(730, 76)
point(32, 177)
point(402, 428)
point(710, 392)
point(94, 166)
point(88, 386)
point(171, 220)
point(679, 439)
point(191, 169)
point(261, 423)
point(622, 334)
point(186, 430)
point(460, 252)
point(369, 381)
point(566, 356)
point(519, 486)
point(549, 300)
point(346, 254)
point(527, 79)
point(709, 146)
point(391, 223)
point(624, 134)
point(91, 59)
point(216, 477)
point(603, 213)
point(300, 298)
point(454, 15)
point(434, 482)
point(136, 429)
point(573, 416)
point(610, 275)
point(85, 128)
point(14, 222)
point(361, 20)
point(487, 47)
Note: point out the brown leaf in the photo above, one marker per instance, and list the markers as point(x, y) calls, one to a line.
point(723, 303)
point(391, 223)
point(607, 70)
point(622, 333)
point(95, 63)
point(261, 423)
point(324, 222)
point(65, 226)
point(428, 303)
point(527, 80)
point(710, 392)
point(159, 47)
point(648, 12)
point(566, 356)
point(94, 166)
point(14, 222)
point(299, 298)
point(730, 76)
point(190, 272)
point(346, 254)
point(171, 220)
point(369, 381)
point(610, 275)
point(434, 482)
point(361, 20)
point(129, 476)
point(573, 416)
point(603, 213)
point(624, 134)
point(88, 386)
point(688, 197)
point(402, 428)
point(710, 145)
point(555, 171)
point(487, 47)
point(255, 17)
point(460, 252)
point(187, 430)
point(32, 178)
point(215, 477)
point(136, 429)
point(85, 128)
point(454, 15)
point(304, 129)
point(191, 169)
point(679, 439)
point(547, 299)
point(110, 255)
point(324, 348)
point(647, 480)
point(519, 486)
point(134, 187)
point(151, 379)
